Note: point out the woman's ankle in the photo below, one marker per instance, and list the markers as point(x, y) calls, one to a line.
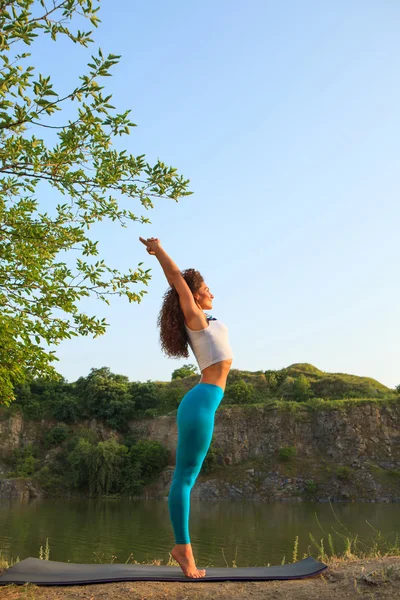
point(183, 547)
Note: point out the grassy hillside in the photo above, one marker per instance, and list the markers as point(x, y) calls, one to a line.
point(283, 383)
point(115, 400)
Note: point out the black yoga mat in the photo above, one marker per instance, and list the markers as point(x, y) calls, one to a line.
point(49, 572)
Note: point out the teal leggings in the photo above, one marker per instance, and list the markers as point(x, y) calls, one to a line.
point(195, 419)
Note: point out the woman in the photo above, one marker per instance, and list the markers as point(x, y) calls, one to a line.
point(182, 322)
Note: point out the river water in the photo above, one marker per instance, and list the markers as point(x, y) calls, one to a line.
point(249, 533)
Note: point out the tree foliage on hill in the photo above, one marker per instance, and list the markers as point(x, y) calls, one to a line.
point(101, 395)
point(239, 392)
point(110, 467)
point(87, 179)
point(116, 401)
point(106, 395)
point(296, 388)
point(184, 371)
point(93, 466)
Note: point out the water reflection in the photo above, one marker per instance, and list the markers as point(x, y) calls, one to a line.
point(248, 532)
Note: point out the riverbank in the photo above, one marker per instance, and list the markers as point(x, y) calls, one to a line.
point(374, 578)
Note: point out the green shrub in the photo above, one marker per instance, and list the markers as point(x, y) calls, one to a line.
point(211, 460)
point(275, 378)
point(286, 388)
point(272, 380)
point(24, 462)
point(185, 371)
point(144, 395)
point(97, 467)
point(287, 453)
point(301, 389)
point(169, 399)
point(42, 398)
point(143, 464)
point(239, 392)
point(67, 410)
point(151, 413)
point(152, 456)
point(129, 440)
point(311, 486)
point(296, 388)
point(56, 435)
point(107, 396)
point(234, 375)
point(79, 462)
point(49, 481)
point(341, 385)
point(343, 473)
point(31, 405)
point(132, 482)
point(82, 433)
point(393, 473)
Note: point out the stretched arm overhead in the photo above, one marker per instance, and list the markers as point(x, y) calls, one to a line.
point(174, 277)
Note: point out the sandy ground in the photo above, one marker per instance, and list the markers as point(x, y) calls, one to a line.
point(376, 579)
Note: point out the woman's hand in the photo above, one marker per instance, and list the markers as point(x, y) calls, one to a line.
point(152, 244)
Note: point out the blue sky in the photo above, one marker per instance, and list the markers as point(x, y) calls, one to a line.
point(285, 117)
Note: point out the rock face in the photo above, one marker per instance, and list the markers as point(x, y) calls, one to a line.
point(355, 436)
point(23, 489)
point(361, 438)
point(342, 435)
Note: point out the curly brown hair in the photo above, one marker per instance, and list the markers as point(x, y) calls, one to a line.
point(173, 336)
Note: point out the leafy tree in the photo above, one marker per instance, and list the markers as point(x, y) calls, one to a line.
point(152, 456)
point(85, 174)
point(56, 435)
point(272, 379)
point(105, 395)
point(48, 480)
point(97, 467)
point(105, 464)
point(275, 378)
point(296, 388)
point(185, 371)
point(301, 389)
point(42, 397)
point(104, 467)
point(25, 461)
point(79, 462)
point(30, 404)
point(131, 477)
point(169, 399)
point(210, 462)
point(144, 395)
point(67, 409)
point(239, 392)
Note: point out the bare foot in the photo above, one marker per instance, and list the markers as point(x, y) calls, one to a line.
point(183, 554)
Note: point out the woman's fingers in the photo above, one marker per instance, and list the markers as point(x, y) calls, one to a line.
point(148, 243)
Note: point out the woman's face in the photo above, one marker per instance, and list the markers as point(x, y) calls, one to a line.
point(204, 297)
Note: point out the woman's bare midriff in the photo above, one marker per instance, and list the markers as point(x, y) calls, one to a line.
point(217, 373)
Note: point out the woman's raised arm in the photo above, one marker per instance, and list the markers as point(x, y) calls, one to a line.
point(174, 277)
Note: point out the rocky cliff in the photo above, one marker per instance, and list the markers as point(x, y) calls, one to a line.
point(348, 450)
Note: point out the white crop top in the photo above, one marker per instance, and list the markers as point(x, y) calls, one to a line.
point(210, 345)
